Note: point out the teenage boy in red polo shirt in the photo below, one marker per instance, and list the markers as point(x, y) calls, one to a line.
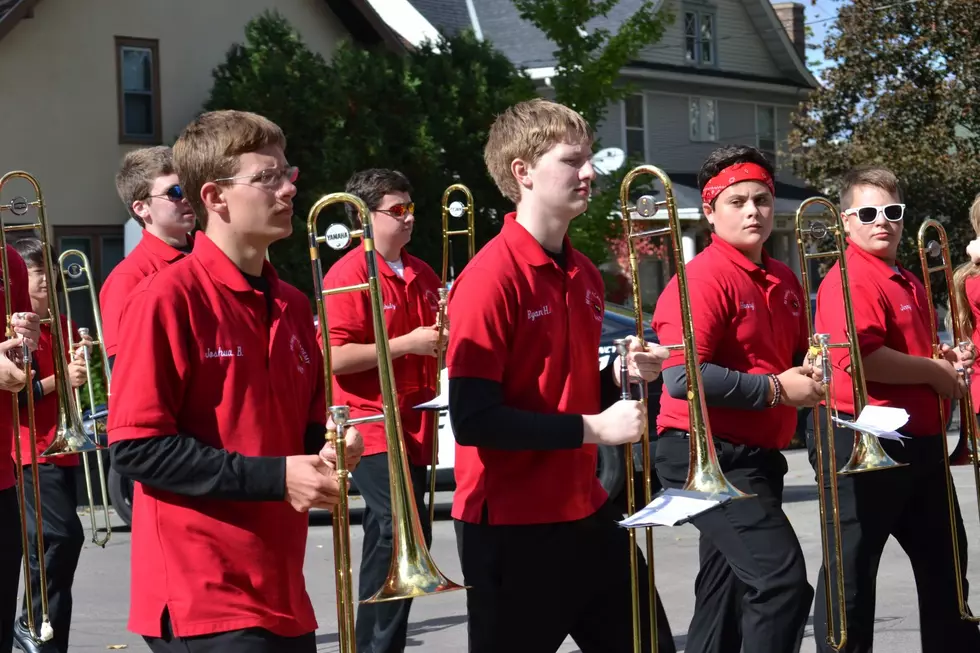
point(749, 323)
point(26, 324)
point(908, 503)
point(220, 402)
point(409, 289)
point(524, 397)
point(152, 194)
point(63, 533)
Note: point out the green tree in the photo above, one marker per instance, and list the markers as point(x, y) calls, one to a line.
point(901, 90)
point(425, 112)
point(587, 78)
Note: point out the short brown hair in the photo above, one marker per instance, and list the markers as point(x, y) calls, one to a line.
point(140, 168)
point(209, 148)
point(527, 131)
point(871, 175)
point(373, 184)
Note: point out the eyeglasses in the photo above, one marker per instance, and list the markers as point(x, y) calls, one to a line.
point(271, 178)
point(868, 214)
point(399, 211)
point(175, 193)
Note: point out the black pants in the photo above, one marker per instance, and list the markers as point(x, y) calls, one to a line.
point(10, 561)
point(249, 640)
point(533, 586)
point(383, 627)
point(63, 540)
point(752, 585)
point(911, 504)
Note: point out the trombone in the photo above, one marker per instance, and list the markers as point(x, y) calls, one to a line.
point(70, 437)
point(704, 473)
point(456, 210)
point(81, 269)
point(940, 249)
point(867, 454)
point(412, 572)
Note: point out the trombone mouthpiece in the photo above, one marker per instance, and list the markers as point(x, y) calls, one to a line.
point(621, 348)
point(340, 414)
point(83, 331)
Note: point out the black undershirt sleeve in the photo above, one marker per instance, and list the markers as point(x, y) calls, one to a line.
point(723, 387)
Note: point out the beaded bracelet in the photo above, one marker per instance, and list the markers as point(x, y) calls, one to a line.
point(777, 391)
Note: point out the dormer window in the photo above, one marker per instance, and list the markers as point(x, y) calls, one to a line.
point(699, 37)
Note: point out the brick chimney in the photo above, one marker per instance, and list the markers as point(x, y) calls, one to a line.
point(791, 16)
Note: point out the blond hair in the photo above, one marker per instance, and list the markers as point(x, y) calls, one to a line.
point(139, 169)
point(962, 273)
point(872, 175)
point(210, 146)
point(527, 131)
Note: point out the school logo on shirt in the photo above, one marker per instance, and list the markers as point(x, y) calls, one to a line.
point(792, 302)
point(299, 354)
point(433, 300)
point(594, 301)
point(233, 352)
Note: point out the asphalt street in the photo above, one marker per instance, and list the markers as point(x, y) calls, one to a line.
point(439, 623)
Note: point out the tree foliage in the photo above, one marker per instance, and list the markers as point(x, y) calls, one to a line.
point(588, 79)
point(902, 90)
point(426, 112)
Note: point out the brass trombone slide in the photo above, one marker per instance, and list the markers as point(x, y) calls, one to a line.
point(455, 210)
point(867, 454)
point(412, 573)
point(82, 269)
point(938, 248)
point(704, 472)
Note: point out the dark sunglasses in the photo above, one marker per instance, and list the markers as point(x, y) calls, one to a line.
point(868, 214)
point(399, 210)
point(175, 193)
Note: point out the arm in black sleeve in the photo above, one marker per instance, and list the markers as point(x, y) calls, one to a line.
point(314, 438)
point(722, 387)
point(184, 465)
point(35, 386)
point(480, 419)
point(112, 361)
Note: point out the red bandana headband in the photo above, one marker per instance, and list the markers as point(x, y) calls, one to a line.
point(732, 175)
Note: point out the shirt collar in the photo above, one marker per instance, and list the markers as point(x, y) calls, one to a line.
point(408, 263)
point(162, 250)
point(736, 256)
point(873, 262)
point(522, 243)
point(222, 270)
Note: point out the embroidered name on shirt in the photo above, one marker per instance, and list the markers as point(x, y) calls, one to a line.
point(390, 307)
point(749, 306)
point(541, 312)
point(223, 353)
point(905, 307)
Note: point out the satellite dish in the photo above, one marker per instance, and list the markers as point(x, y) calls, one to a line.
point(608, 160)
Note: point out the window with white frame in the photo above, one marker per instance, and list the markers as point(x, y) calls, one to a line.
point(634, 107)
point(765, 131)
point(699, 37)
point(703, 119)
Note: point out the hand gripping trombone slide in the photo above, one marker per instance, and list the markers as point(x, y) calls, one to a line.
point(412, 573)
point(867, 454)
point(456, 210)
point(968, 431)
point(704, 472)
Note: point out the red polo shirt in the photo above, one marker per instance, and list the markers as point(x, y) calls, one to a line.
point(45, 409)
point(973, 305)
point(148, 257)
point(409, 303)
point(520, 320)
point(746, 318)
point(890, 310)
point(19, 303)
point(203, 357)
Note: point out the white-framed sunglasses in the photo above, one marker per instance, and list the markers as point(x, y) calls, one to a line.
point(868, 214)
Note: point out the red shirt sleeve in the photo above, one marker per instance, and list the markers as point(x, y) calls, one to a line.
point(151, 369)
point(20, 302)
point(481, 316)
point(711, 311)
point(346, 314)
point(113, 299)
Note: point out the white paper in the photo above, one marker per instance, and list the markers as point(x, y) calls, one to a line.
point(442, 401)
point(880, 421)
point(670, 508)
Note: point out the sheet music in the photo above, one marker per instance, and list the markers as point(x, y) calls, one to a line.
point(880, 421)
point(673, 507)
point(442, 401)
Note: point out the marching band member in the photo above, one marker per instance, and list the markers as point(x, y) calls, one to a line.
point(62, 530)
point(751, 335)
point(966, 282)
point(910, 503)
point(524, 397)
point(220, 401)
point(26, 326)
point(152, 194)
point(409, 288)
